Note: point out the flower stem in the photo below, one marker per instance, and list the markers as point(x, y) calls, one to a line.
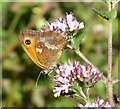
point(83, 95)
point(88, 93)
point(83, 57)
point(77, 51)
point(109, 79)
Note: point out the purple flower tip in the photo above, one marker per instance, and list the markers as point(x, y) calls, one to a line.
point(70, 73)
point(65, 25)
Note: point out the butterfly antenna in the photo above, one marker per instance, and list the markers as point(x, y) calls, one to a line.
point(38, 78)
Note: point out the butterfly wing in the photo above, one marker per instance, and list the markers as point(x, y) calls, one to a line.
point(30, 36)
point(49, 48)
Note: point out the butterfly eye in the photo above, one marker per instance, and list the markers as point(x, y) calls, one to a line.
point(28, 42)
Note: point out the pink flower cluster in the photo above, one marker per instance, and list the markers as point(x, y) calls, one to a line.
point(64, 25)
point(71, 74)
point(98, 103)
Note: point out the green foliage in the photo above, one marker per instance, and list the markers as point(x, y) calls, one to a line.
point(106, 15)
point(77, 41)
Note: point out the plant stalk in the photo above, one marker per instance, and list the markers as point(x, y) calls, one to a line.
point(109, 78)
point(84, 58)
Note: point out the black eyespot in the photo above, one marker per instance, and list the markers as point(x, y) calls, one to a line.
point(28, 42)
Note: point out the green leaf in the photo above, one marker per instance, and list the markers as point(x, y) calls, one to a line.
point(112, 14)
point(106, 15)
point(76, 88)
point(77, 42)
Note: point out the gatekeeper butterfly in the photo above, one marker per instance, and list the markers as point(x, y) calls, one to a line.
point(44, 48)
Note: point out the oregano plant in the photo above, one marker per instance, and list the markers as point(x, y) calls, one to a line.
point(72, 79)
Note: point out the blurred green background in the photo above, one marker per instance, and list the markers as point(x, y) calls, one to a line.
point(19, 73)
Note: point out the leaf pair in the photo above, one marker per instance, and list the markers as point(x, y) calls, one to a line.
point(108, 15)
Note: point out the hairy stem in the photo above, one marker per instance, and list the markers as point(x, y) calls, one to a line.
point(109, 79)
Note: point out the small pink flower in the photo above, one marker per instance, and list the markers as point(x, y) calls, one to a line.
point(64, 24)
point(73, 23)
point(98, 103)
point(70, 73)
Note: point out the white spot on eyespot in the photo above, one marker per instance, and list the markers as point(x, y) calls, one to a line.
point(39, 50)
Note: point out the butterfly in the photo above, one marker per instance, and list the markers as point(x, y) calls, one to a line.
point(44, 48)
